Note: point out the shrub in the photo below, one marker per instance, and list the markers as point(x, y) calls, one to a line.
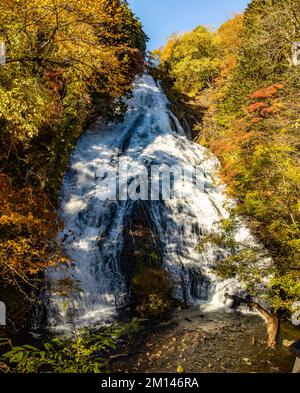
point(83, 353)
point(152, 290)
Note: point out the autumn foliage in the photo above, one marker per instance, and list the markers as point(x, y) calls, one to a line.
point(28, 227)
point(251, 122)
point(267, 92)
point(68, 62)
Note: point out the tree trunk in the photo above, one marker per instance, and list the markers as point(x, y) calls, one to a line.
point(271, 319)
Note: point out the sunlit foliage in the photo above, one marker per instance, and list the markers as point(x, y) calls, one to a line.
point(191, 60)
point(68, 62)
point(252, 124)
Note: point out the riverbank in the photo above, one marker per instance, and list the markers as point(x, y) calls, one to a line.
point(211, 342)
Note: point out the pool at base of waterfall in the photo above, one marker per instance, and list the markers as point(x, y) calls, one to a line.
point(210, 342)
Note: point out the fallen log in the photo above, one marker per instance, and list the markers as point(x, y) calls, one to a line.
point(271, 319)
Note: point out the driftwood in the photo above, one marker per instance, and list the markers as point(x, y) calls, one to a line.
point(272, 320)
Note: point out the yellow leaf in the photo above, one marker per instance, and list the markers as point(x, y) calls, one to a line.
point(180, 369)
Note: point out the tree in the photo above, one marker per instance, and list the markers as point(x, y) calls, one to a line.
point(191, 60)
point(258, 144)
point(68, 62)
point(252, 125)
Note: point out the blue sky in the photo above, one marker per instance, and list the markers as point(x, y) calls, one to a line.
point(161, 18)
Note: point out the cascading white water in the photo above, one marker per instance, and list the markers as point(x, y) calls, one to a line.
point(93, 236)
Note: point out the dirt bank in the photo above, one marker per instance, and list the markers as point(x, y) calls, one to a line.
point(216, 342)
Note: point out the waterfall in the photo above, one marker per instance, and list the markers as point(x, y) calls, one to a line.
point(93, 235)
